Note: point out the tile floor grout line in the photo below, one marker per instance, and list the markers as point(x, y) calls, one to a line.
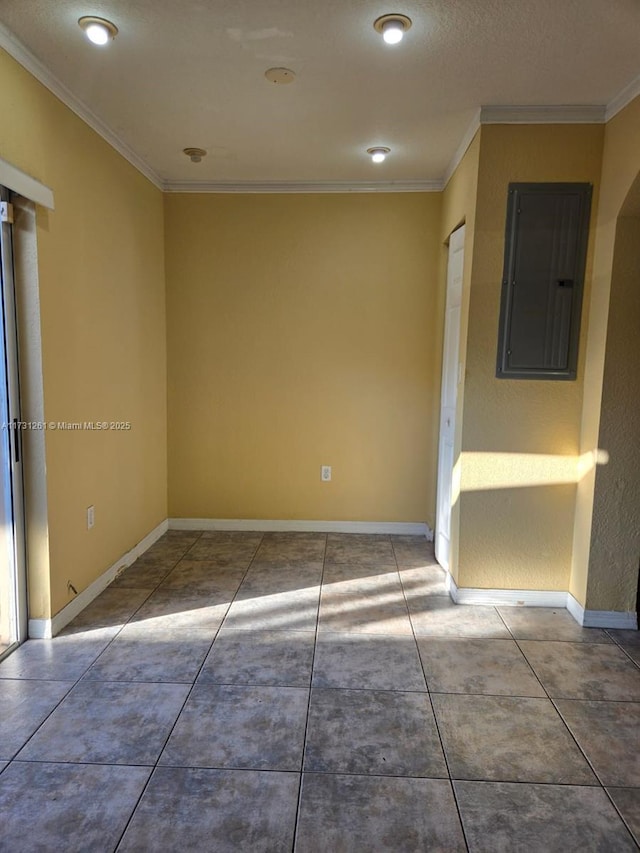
point(433, 710)
point(306, 723)
point(33, 734)
point(530, 665)
point(575, 739)
point(635, 840)
point(124, 625)
point(317, 773)
point(564, 722)
point(133, 803)
point(74, 684)
point(633, 660)
point(182, 707)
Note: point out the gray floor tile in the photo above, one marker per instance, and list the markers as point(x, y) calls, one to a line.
point(170, 648)
point(230, 553)
point(309, 570)
point(438, 616)
point(294, 611)
point(626, 637)
point(583, 670)
point(627, 802)
point(110, 610)
point(608, 733)
point(374, 733)
point(256, 728)
point(175, 614)
point(632, 651)
point(237, 537)
point(167, 550)
point(492, 667)
point(364, 549)
point(364, 613)
point(200, 609)
point(291, 546)
point(143, 575)
point(231, 755)
point(503, 817)
point(65, 658)
point(71, 807)
point(350, 814)
point(222, 810)
point(503, 738)
point(107, 723)
point(549, 623)
point(344, 578)
point(425, 580)
point(367, 661)
point(413, 552)
point(262, 657)
point(270, 579)
point(188, 536)
point(24, 705)
point(204, 577)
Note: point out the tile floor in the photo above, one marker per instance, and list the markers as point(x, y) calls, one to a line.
point(311, 692)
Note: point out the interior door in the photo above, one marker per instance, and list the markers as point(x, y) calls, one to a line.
point(450, 379)
point(13, 616)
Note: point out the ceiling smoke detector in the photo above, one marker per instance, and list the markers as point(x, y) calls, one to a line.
point(195, 154)
point(280, 75)
point(392, 27)
point(98, 30)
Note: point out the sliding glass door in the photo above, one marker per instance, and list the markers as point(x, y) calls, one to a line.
point(13, 616)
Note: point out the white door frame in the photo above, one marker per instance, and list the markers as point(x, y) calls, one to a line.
point(451, 377)
point(11, 478)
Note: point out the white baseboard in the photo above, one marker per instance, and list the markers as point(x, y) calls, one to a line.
point(506, 597)
point(541, 598)
point(276, 526)
point(45, 629)
point(601, 618)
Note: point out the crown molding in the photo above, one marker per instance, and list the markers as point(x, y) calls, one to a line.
point(461, 150)
point(623, 98)
point(564, 114)
point(32, 64)
point(302, 187)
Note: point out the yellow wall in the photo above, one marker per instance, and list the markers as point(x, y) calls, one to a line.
point(307, 330)
point(595, 581)
point(615, 536)
point(103, 336)
point(518, 538)
point(300, 334)
point(458, 206)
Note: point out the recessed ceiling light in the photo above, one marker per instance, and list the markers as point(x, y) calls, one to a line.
point(378, 154)
point(98, 30)
point(392, 27)
point(195, 154)
point(280, 75)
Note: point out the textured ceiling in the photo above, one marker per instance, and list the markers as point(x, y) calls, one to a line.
point(191, 73)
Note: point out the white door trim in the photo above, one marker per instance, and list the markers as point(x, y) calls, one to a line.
point(451, 376)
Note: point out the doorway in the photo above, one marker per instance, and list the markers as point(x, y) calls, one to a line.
point(449, 395)
point(13, 598)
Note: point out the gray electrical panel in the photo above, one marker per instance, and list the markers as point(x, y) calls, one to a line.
point(543, 279)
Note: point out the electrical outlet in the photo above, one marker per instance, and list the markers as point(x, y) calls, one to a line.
point(325, 473)
point(91, 517)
